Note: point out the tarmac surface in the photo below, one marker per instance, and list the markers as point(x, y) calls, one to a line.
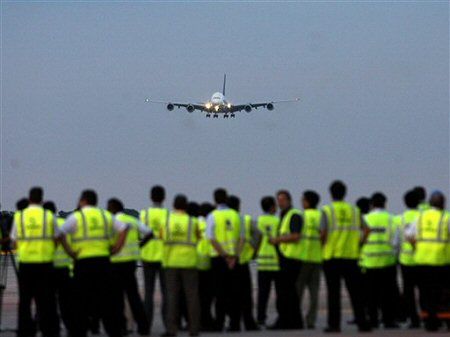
point(10, 298)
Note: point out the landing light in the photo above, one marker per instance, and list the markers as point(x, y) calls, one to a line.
point(208, 105)
point(217, 108)
point(229, 105)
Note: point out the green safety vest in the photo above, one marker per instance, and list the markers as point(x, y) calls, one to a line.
point(247, 250)
point(130, 251)
point(156, 219)
point(291, 250)
point(62, 259)
point(180, 241)
point(310, 244)
point(226, 230)
point(432, 238)
point(35, 235)
point(406, 249)
point(378, 251)
point(94, 233)
point(267, 257)
point(203, 247)
point(344, 231)
point(423, 206)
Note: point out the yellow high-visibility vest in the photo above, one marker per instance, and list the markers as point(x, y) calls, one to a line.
point(226, 230)
point(155, 218)
point(267, 257)
point(130, 251)
point(290, 250)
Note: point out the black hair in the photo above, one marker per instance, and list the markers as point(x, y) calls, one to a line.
point(338, 190)
point(90, 197)
point(421, 193)
point(312, 197)
point(50, 205)
point(234, 202)
point(193, 209)
point(378, 200)
point(21, 204)
point(285, 193)
point(205, 209)
point(437, 200)
point(267, 203)
point(157, 194)
point(36, 195)
point(180, 202)
point(220, 196)
point(411, 200)
point(115, 205)
point(363, 204)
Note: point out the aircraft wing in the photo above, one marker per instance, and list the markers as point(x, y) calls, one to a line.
point(188, 106)
point(268, 105)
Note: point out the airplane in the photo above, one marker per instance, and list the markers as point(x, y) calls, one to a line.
point(218, 104)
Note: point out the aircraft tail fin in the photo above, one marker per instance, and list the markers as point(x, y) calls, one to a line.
point(224, 83)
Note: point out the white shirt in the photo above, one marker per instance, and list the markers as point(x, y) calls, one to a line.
point(71, 225)
point(13, 233)
point(143, 229)
point(211, 224)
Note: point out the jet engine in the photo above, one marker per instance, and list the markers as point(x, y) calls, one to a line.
point(248, 108)
point(270, 106)
point(170, 107)
point(190, 108)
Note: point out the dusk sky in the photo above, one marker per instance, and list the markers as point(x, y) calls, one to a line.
point(373, 79)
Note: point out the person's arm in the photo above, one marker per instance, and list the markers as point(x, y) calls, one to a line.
point(323, 228)
point(145, 233)
point(13, 236)
point(365, 231)
point(122, 230)
point(69, 227)
point(63, 241)
point(295, 225)
point(411, 232)
point(210, 234)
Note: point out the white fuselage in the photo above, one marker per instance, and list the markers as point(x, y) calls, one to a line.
point(218, 103)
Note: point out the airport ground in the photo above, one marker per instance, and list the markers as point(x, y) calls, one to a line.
point(9, 317)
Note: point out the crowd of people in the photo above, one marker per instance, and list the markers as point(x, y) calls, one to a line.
point(80, 270)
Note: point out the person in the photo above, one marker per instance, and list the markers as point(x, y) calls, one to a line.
point(310, 255)
point(363, 204)
point(21, 204)
point(267, 257)
point(429, 235)
point(180, 237)
point(63, 265)
point(288, 247)
point(155, 217)
point(406, 259)
point(378, 258)
point(124, 268)
point(91, 231)
point(341, 227)
point(33, 233)
point(227, 237)
point(247, 253)
point(205, 276)
point(421, 195)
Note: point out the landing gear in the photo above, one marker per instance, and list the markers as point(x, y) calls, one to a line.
point(232, 116)
point(216, 116)
point(208, 115)
point(225, 116)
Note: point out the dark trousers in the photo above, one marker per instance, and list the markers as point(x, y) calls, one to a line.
point(410, 279)
point(431, 282)
point(152, 270)
point(310, 278)
point(36, 282)
point(94, 289)
point(381, 295)
point(226, 290)
point(182, 281)
point(64, 293)
point(289, 313)
point(206, 294)
point(265, 281)
point(125, 284)
point(246, 296)
point(335, 270)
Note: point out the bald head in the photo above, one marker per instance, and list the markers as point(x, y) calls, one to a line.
point(437, 200)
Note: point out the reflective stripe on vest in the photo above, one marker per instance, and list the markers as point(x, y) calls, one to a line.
point(203, 247)
point(267, 257)
point(291, 250)
point(247, 249)
point(62, 259)
point(310, 245)
point(35, 235)
point(156, 219)
point(344, 231)
point(130, 251)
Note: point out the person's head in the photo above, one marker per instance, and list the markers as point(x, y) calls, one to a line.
point(310, 199)
point(36, 195)
point(269, 205)
point(411, 200)
point(378, 200)
point(284, 199)
point(50, 205)
point(338, 190)
point(234, 202)
point(421, 193)
point(157, 194)
point(205, 209)
point(88, 198)
point(363, 204)
point(115, 206)
point(21, 204)
point(180, 202)
point(220, 196)
point(437, 200)
point(193, 209)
